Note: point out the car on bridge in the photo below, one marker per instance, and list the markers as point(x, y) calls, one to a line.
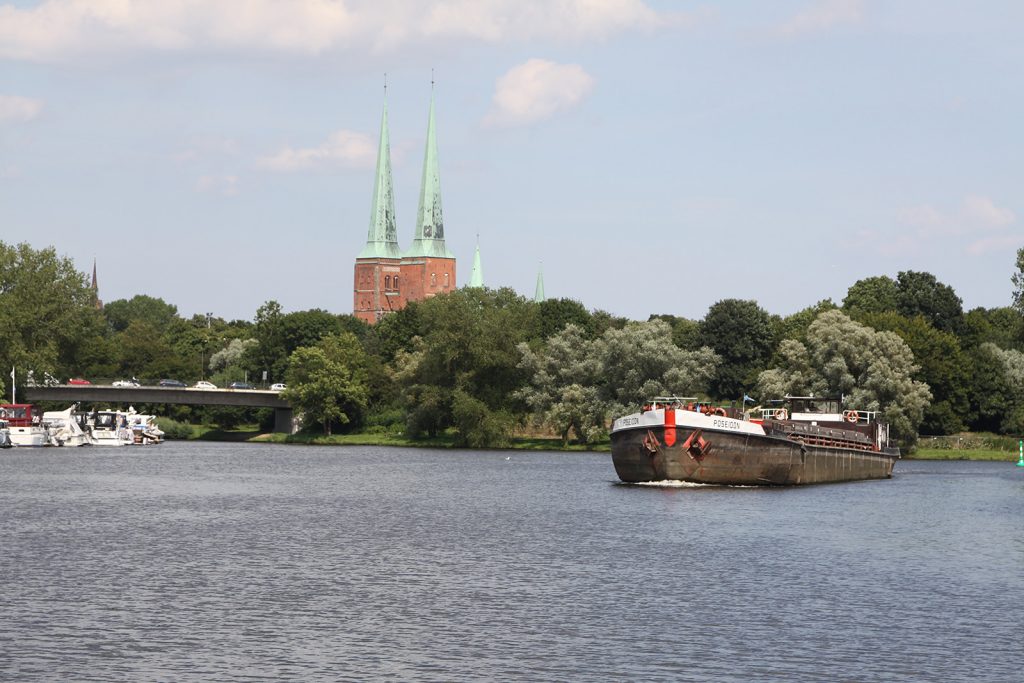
point(78, 381)
point(175, 383)
point(240, 385)
point(203, 384)
point(278, 387)
point(126, 383)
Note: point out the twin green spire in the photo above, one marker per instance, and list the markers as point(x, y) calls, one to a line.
point(382, 239)
point(429, 237)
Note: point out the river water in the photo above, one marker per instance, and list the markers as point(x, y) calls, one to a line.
point(204, 561)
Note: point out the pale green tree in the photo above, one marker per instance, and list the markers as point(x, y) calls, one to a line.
point(576, 384)
point(1018, 282)
point(231, 354)
point(873, 370)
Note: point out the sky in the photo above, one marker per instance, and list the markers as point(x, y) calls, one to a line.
point(654, 156)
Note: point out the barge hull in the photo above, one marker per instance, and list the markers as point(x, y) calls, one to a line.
point(728, 458)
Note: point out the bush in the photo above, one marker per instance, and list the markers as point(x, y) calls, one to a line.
point(478, 426)
point(175, 430)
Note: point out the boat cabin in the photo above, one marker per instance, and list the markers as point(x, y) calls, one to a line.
point(816, 409)
point(19, 414)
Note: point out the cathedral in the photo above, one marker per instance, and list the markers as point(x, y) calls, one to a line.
point(386, 278)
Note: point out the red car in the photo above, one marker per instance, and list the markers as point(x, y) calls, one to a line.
point(78, 380)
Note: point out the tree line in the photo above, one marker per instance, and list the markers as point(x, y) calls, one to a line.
point(486, 364)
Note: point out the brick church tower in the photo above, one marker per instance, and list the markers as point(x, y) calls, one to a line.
point(385, 278)
point(378, 266)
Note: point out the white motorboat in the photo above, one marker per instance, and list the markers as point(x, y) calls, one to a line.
point(65, 430)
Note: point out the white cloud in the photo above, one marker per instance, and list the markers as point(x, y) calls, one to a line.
point(61, 30)
point(974, 213)
point(982, 211)
point(823, 15)
point(536, 90)
point(500, 20)
point(226, 185)
point(996, 243)
point(16, 109)
point(342, 148)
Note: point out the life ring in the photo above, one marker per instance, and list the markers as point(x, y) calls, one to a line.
point(781, 414)
point(851, 416)
point(720, 412)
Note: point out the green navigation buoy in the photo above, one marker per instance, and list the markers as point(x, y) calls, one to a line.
point(1020, 446)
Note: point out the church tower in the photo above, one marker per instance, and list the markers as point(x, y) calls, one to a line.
point(428, 268)
point(378, 266)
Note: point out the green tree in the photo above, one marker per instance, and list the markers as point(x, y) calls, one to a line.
point(467, 342)
point(1002, 326)
point(155, 312)
point(46, 308)
point(992, 394)
point(270, 353)
point(873, 370)
point(795, 326)
point(327, 382)
point(554, 314)
point(741, 332)
point(877, 294)
point(941, 365)
point(921, 294)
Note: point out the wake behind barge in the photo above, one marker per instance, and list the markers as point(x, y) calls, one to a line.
point(811, 442)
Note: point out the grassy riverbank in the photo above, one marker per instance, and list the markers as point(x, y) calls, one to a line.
point(441, 441)
point(965, 446)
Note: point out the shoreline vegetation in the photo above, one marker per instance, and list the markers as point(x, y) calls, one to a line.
point(967, 446)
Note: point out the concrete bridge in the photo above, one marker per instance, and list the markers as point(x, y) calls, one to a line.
point(113, 396)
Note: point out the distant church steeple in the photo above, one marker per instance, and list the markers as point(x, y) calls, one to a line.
point(95, 287)
point(538, 292)
point(476, 277)
point(382, 238)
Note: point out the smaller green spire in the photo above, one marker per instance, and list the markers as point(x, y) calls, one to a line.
point(476, 277)
point(538, 293)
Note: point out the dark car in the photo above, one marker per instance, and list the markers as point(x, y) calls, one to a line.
point(173, 383)
point(240, 385)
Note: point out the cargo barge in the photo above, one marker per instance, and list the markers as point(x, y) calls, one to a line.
point(801, 440)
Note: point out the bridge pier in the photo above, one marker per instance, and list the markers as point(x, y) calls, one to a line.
point(284, 421)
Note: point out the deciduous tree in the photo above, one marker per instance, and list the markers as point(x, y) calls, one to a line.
point(741, 333)
point(327, 382)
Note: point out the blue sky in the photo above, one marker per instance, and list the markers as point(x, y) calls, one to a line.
point(656, 156)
